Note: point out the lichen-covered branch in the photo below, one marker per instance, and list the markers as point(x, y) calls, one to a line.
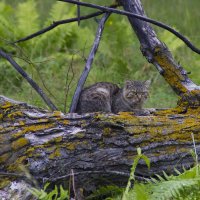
point(98, 147)
point(157, 53)
point(137, 16)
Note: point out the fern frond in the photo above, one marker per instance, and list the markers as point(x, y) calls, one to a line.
point(58, 11)
point(27, 18)
point(103, 192)
point(171, 189)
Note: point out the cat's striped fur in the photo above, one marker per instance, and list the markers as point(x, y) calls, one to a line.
point(108, 97)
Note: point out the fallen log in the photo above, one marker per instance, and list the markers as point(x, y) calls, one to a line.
point(99, 147)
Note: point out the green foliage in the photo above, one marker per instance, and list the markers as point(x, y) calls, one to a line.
point(56, 194)
point(182, 186)
point(133, 168)
point(48, 58)
point(108, 192)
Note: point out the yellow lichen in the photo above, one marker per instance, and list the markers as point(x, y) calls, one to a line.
point(6, 105)
point(16, 166)
point(56, 140)
point(4, 157)
point(15, 114)
point(169, 68)
point(43, 120)
point(4, 182)
point(65, 122)
point(71, 145)
point(57, 114)
point(107, 131)
point(32, 128)
point(19, 143)
point(21, 123)
point(55, 154)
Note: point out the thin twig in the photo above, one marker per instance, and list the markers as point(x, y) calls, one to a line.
point(68, 83)
point(146, 19)
point(73, 183)
point(78, 13)
point(102, 172)
point(88, 63)
point(28, 78)
point(56, 23)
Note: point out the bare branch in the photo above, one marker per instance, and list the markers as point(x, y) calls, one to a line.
point(78, 13)
point(57, 23)
point(28, 78)
point(68, 83)
point(88, 63)
point(121, 12)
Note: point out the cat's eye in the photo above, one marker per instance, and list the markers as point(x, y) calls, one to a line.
point(130, 95)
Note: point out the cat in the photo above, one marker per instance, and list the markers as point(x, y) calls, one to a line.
point(108, 97)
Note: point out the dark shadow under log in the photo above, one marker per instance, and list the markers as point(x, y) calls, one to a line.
point(99, 147)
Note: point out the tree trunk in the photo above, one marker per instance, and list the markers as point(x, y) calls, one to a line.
point(158, 54)
point(100, 148)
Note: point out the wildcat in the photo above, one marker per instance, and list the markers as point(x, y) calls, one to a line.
point(108, 97)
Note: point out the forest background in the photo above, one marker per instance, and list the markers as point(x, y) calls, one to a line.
point(56, 59)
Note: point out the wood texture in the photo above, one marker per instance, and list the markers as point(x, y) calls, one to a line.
point(157, 53)
point(100, 148)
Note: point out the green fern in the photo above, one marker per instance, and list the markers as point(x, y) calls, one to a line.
point(166, 187)
point(27, 18)
point(108, 192)
point(55, 194)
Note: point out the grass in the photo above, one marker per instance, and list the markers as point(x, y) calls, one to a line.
point(118, 58)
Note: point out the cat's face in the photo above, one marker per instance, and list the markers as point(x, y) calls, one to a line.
point(136, 92)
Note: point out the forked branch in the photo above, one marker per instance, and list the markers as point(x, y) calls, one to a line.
point(143, 18)
point(88, 63)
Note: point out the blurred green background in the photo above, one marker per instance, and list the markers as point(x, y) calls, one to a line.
point(56, 59)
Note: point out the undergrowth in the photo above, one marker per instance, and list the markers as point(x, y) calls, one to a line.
point(181, 186)
point(56, 59)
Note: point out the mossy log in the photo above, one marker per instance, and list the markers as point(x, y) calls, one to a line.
point(99, 147)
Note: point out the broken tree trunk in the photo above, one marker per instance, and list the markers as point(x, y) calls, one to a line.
point(100, 148)
point(158, 54)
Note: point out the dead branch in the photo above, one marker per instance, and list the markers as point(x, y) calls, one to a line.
point(88, 63)
point(141, 17)
point(33, 84)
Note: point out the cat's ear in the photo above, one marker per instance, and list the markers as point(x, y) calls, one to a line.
point(127, 84)
point(147, 83)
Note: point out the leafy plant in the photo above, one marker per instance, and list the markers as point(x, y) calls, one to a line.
point(182, 186)
point(56, 194)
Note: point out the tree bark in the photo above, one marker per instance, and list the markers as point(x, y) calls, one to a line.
point(100, 148)
point(158, 54)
